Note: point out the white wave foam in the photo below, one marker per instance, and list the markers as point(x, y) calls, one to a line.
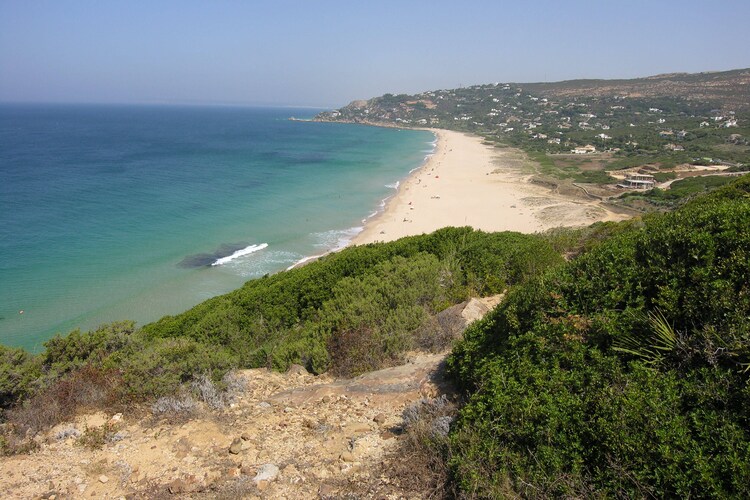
point(336, 239)
point(239, 253)
point(302, 261)
point(332, 241)
point(395, 185)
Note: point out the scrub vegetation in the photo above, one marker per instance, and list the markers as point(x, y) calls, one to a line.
point(356, 310)
point(616, 366)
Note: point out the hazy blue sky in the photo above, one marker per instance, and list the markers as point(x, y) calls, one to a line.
point(327, 53)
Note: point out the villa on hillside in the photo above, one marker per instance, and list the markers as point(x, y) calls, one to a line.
point(638, 181)
point(588, 148)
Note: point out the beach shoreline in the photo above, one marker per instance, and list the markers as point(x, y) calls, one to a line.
point(465, 182)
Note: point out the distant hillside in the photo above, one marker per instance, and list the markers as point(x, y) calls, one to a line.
point(590, 131)
point(724, 88)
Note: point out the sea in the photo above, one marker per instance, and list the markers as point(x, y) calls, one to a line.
point(133, 212)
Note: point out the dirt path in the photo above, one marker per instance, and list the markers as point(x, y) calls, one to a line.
point(291, 435)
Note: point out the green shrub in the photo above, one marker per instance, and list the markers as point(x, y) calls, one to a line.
point(19, 373)
point(152, 368)
point(623, 373)
point(65, 353)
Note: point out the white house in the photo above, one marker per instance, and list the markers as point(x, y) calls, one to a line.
point(638, 181)
point(582, 150)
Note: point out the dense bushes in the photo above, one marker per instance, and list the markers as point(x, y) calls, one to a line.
point(307, 315)
point(356, 310)
point(622, 373)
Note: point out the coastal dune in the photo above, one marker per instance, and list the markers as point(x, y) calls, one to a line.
point(468, 183)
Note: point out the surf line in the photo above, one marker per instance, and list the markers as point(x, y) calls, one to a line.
point(239, 253)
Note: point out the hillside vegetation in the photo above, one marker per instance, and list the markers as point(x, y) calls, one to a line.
point(353, 311)
point(623, 373)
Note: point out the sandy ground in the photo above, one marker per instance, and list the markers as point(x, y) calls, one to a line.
point(281, 436)
point(467, 183)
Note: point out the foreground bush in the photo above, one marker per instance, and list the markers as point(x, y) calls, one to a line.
point(624, 373)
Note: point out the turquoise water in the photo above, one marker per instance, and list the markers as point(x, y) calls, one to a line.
point(115, 212)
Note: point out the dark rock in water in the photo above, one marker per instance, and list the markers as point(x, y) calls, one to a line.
point(206, 259)
point(197, 260)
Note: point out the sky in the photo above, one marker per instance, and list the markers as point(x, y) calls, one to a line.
point(325, 53)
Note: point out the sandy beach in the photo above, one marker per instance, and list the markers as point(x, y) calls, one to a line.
point(468, 183)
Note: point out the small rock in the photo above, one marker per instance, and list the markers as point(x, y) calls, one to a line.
point(236, 447)
point(291, 473)
point(266, 472)
point(247, 470)
point(103, 479)
point(325, 399)
point(288, 410)
point(245, 436)
point(264, 404)
point(297, 370)
point(178, 486)
point(309, 423)
point(357, 428)
point(387, 435)
point(119, 436)
point(326, 491)
point(379, 418)
point(441, 426)
point(347, 457)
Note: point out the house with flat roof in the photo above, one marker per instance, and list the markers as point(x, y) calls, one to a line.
point(638, 181)
point(588, 148)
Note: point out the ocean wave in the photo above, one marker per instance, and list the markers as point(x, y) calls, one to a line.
point(331, 241)
point(303, 260)
point(394, 185)
point(239, 253)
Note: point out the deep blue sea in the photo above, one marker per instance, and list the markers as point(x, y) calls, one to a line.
point(134, 212)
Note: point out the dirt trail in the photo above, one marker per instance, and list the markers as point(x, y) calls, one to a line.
point(291, 435)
